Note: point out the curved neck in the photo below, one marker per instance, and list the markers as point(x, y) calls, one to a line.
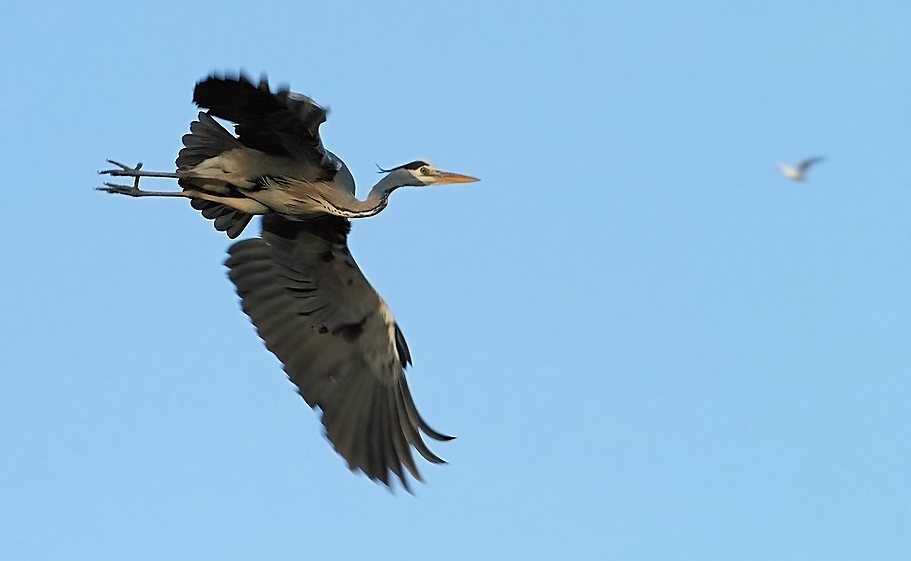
point(378, 197)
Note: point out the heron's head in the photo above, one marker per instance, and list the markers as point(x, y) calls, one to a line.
point(420, 173)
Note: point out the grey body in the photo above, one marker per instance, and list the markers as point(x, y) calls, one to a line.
point(309, 301)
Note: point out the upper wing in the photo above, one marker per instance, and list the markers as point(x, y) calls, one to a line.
point(283, 123)
point(804, 165)
point(336, 339)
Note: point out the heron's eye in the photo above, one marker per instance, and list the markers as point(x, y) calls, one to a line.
point(425, 170)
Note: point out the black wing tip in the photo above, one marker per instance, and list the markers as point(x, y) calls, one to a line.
point(386, 475)
point(387, 482)
point(429, 431)
point(240, 76)
point(211, 90)
point(804, 164)
point(283, 91)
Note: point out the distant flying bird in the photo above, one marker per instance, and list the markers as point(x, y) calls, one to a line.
point(798, 172)
point(309, 301)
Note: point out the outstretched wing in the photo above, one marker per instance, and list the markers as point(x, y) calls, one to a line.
point(336, 339)
point(283, 123)
point(804, 165)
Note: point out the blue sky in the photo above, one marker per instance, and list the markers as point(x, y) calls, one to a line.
point(650, 345)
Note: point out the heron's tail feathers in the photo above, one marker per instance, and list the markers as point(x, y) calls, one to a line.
point(206, 139)
point(226, 219)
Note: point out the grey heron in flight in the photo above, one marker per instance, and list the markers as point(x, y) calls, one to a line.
point(306, 296)
point(798, 172)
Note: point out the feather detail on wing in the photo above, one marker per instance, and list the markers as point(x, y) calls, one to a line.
point(283, 123)
point(336, 339)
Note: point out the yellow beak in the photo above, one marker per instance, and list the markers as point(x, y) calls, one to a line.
point(447, 177)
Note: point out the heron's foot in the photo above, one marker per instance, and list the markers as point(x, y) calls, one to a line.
point(131, 190)
point(124, 171)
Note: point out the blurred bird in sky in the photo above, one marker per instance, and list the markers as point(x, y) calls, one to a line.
point(798, 172)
